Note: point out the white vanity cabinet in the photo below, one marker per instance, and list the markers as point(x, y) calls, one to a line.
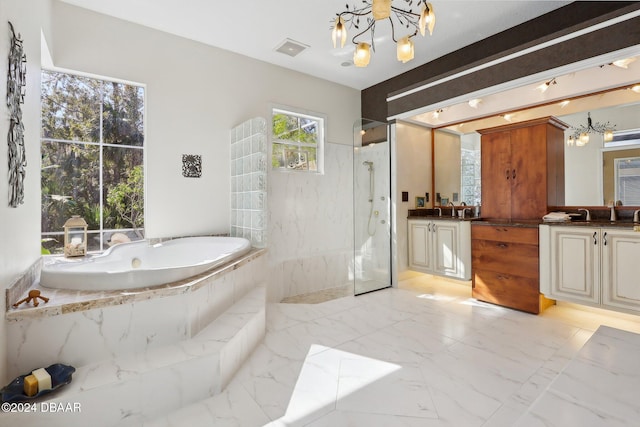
point(440, 247)
point(621, 269)
point(591, 265)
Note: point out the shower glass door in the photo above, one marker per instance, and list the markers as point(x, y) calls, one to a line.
point(372, 207)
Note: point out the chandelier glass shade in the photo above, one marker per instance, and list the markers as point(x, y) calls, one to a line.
point(402, 20)
point(580, 135)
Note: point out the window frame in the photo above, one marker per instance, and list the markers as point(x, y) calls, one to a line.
point(319, 146)
point(100, 232)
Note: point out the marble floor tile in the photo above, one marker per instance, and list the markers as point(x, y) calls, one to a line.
point(425, 355)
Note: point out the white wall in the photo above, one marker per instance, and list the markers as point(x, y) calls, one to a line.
point(20, 227)
point(195, 95)
point(413, 159)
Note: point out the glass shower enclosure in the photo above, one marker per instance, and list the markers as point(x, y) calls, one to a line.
point(372, 206)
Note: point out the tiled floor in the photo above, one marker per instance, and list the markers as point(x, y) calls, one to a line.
point(423, 355)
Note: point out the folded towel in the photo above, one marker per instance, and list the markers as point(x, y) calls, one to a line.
point(556, 217)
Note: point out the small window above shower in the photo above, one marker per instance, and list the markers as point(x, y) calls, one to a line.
point(297, 141)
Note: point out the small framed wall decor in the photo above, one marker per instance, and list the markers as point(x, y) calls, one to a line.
point(420, 202)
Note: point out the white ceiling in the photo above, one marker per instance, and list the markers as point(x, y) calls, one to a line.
point(255, 28)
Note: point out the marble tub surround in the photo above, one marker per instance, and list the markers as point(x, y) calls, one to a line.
point(21, 286)
point(63, 301)
point(128, 390)
point(82, 327)
point(422, 355)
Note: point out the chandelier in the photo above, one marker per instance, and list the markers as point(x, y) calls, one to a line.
point(364, 19)
point(580, 135)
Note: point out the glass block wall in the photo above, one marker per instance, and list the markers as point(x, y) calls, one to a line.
point(249, 181)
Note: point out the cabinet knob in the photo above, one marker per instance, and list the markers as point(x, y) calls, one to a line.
point(507, 173)
point(514, 174)
point(502, 245)
point(595, 241)
point(604, 238)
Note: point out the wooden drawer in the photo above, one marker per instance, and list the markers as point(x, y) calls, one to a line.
point(507, 290)
point(510, 258)
point(505, 233)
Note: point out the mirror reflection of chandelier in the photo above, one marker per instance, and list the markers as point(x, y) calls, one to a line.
point(580, 135)
point(379, 10)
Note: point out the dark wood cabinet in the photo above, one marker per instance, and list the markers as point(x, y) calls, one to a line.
point(522, 169)
point(522, 174)
point(505, 266)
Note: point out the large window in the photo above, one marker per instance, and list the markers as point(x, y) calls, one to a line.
point(92, 159)
point(297, 141)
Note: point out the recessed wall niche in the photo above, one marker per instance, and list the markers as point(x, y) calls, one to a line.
point(249, 181)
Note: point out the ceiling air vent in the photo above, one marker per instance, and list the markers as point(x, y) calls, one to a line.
point(291, 47)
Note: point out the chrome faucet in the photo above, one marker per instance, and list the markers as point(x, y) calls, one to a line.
point(462, 215)
point(636, 215)
point(612, 217)
point(453, 209)
point(587, 215)
point(439, 211)
point(463, 203)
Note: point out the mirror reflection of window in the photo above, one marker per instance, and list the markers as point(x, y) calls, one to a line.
point(627, 180)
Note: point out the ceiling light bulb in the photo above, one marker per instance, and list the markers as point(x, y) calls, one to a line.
point(564, 103)
point(571, 141)
point(507, 117)
point(583, 140)
point(381, 9)
point(544, 86)
point(427, 18)
point(623, 63)
point(608, 135)
point(473, 103)
point(362, 55)
point(339, 32)
point(405, 51)
point(636, 88)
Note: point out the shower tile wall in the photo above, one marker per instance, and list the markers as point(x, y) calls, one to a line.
point(249, 181)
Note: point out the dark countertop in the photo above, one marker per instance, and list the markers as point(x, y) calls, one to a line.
point(441, 218)
point(598, 223)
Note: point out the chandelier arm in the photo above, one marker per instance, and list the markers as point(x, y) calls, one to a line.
point(371, 27)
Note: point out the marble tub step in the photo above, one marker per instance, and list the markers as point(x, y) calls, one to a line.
point(130, 390)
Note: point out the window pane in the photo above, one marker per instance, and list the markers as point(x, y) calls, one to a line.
point(70, 107)
point(70, 184)
point(628, 181)
point(287, 127)
point(122, 114)
point(277, 155)
point(123, 184)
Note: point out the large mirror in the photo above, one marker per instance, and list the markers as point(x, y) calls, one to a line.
point(456, 167)
point(595, 173)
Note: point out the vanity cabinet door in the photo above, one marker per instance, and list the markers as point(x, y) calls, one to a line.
point(575, 264)
point(445, 245)
point(528, 172)
point(419, 245)
point(440, 247)
point(496, 175)
point(621, 269)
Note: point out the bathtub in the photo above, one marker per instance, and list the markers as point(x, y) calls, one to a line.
point(140, 265)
